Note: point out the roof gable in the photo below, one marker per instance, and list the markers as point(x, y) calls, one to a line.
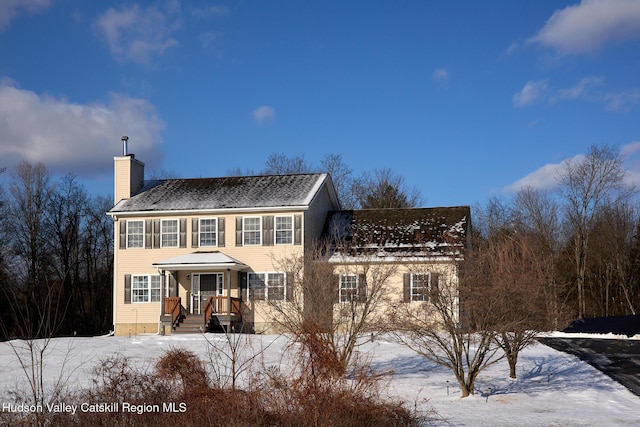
point(242, 192)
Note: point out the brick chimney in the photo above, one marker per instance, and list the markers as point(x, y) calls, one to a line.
point(128, 174)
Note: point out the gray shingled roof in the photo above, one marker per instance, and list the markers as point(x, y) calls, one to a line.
point(438, 231)
point(224, 193)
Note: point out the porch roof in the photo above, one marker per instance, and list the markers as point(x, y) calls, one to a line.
point(213, 260)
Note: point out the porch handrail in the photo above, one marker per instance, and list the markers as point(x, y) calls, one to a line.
point(218, 305)
point(173, 306)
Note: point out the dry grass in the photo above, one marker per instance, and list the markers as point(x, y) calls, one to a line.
point(311, 397)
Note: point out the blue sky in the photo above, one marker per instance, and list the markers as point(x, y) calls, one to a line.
point(464, 99)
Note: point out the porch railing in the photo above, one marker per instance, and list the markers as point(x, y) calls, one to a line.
point(220, 305)
point(173, 307)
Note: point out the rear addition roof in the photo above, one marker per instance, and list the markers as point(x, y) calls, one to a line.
point(413, 231)
point(267, 191)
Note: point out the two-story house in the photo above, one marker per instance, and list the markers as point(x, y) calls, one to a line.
point(188, 250)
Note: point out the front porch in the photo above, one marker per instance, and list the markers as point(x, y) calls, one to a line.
point(219, 314)
point(202, 294)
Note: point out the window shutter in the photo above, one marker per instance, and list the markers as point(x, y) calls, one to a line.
point(183, 232)
point(221, 232)
point(267, 230)
point(156, 233)
point(434, 291)
point(238, 231)
point(127, 289)
point(242, 285)
point(148, 234)
point(289, 287)
point(336, 288)
point(362, 288)
point(406, 287)
point(123, 234)
point(194, 233)
point(297, 229)
point(173, 288)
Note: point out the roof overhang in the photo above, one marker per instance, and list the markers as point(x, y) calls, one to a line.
point(220, 211)
point(202, 261)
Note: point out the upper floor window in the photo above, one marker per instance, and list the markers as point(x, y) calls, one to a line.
point(135, 234)
point(145, 287)
point(208, 232)
point(284, 230)
point(251, 230)
point(348, 288)
point(169, 233)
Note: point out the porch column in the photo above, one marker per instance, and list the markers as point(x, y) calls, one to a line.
point(229, 292)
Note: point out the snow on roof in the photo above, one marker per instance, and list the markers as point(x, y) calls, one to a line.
point(203, 260)
point(266, 191)
point(438, 231)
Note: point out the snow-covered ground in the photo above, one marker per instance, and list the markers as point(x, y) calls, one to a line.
point(552, 388)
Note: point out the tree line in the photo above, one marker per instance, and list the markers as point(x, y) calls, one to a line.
point(568, 254)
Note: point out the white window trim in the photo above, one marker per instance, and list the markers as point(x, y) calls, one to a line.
point(357, 288)
point(265, 280)
point(200, 245)
point(275, 229)
point(244, 231)
point(129, 221)
point(412, 286)
point(148, 288)
point(177, 233)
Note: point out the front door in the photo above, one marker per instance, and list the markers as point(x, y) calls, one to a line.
point(203, 286)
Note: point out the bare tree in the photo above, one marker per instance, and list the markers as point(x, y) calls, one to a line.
point(341, 175)
point(333, 303)
point(587, 184)
point(461, 340)
point(383, 188)
point(28, 229)
point(609, 285)
point(281, 164)
point(65, 217)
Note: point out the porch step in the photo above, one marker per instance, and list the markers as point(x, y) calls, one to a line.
point(191, 324)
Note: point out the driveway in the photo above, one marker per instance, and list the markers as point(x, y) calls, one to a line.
point(619, 359)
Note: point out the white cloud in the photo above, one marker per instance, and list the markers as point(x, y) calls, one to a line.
point(530, 93)
point(70, 137)
point(138, 35)
point(10, 9)
point(584, 89)
point(622, 101)
point(589, 25)
point(440, 75)
point(591, 89)
point(208, 11)
point(263, 114)
point(545, 177)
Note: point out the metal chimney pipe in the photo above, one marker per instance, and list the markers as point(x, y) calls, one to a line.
point(124, 139)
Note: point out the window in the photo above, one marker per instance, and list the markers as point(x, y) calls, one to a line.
point(420, 287)
point(169, 233)
point(135, 234)
point(145, 288)
point(348, 288)
point(257, 285)
point(208, 232)
point(275, 286)
point(284, 230)
point(251, 230)
point(267, 286)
